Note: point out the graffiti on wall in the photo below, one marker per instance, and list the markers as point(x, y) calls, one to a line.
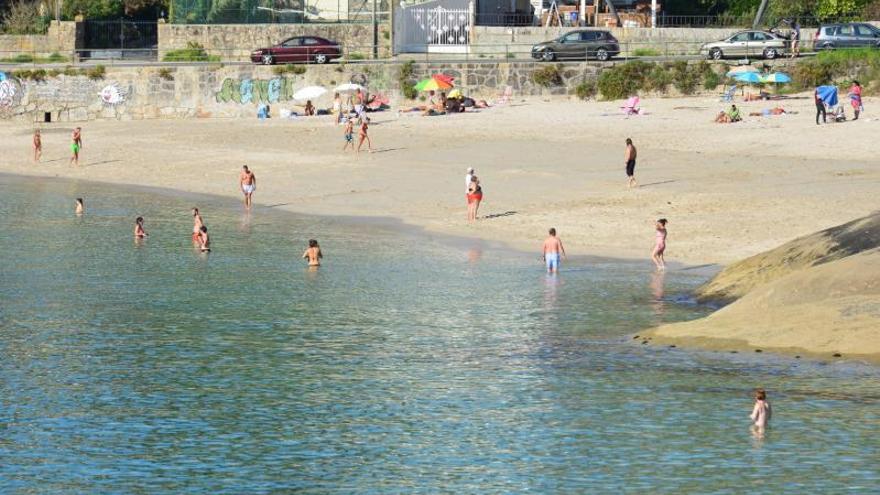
point(10, 90)
point(112, 94)
point(255, 91)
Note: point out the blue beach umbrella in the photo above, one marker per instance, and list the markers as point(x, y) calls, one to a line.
point(777, 78)
point(749, 77)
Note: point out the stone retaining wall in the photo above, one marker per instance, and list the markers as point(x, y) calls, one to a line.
point(128, 93)
point(236, 41)
point(61, 38)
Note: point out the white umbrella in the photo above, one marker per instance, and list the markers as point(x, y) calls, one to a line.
point(348, 88)
point(309, 93)
point(743, 69)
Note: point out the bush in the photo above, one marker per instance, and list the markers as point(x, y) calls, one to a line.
point(658, 79)
point(280, 70)
point(645, 52)
point(624, 80)
point(586, 89)
point(24, 17)
point(96, 73)
point(356, 56)
point(56, 57)
point(685, 77)
point(711, 80)
point(405, 75)
point(165, 73)
point(194, 52)
point(549, 76)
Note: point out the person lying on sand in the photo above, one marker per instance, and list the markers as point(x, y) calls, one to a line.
point(770, 111)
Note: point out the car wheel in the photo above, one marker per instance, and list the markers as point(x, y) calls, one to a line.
point(828, 46)
point(321, 58)
point(769, 53)
point(715, 54)
point(268, 59)
point(602, 55)
point(548, 56)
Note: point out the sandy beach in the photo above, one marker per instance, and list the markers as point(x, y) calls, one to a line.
point(729, 190)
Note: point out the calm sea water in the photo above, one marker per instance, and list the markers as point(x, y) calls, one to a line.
point(407, 364)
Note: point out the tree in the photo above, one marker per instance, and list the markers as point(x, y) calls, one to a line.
point(93, 9)
point(24, 18)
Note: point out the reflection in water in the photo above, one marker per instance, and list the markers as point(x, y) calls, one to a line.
point(474, 254)
point(658, 282)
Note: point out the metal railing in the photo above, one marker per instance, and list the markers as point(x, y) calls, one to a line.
point(654, 51)
point(265, 15)
point(745, 21)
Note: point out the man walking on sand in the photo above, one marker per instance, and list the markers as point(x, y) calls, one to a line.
point(552, 251)
point(629, 156)
point(248, 182)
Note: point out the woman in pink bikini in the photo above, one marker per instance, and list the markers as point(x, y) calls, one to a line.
point(660, 245)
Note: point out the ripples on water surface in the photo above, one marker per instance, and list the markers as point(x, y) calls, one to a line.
point(405, 365)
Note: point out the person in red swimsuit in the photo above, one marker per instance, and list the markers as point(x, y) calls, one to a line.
point(474, 197)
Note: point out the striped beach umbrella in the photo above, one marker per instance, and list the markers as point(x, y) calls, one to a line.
point(434, 84)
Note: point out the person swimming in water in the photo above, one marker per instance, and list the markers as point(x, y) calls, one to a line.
point(139, 231)
point(313, 253)
point(80, 207)
point(659, 245)
point(197, 225)
point(204, 240)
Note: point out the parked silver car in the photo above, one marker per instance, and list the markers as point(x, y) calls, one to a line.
point(747, 44)
point(578, 45)
point(847, 35)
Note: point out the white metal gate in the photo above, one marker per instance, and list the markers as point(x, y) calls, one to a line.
point(432, 24)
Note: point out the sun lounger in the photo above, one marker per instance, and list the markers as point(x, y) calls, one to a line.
point(728, 95)
point(631, 107)
point(504, 97)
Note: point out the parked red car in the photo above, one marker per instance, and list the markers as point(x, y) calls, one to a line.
point(309, 49)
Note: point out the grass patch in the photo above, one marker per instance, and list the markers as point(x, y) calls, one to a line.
point(96, 73)
point(646, 52)
point(586, 90)
point(356, 56)
point(27, 58)
point(280, 70)
point(194, 52)
point(165, 73)
point(549, 76)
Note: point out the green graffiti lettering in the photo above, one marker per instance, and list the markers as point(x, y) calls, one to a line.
point(255, 90)
point(228, 92)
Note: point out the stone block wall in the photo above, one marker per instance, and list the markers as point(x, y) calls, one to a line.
point(60, 38)
point(236, 41)
point(235, 91)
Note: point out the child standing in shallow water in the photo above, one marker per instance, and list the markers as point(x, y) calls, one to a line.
point(659, 245)
point(761, 412)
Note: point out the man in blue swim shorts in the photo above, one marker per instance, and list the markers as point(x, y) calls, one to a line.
point(552, 251)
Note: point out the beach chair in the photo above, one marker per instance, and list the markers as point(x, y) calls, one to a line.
point(728, 95)
point(631, 107)
point(504, 97)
